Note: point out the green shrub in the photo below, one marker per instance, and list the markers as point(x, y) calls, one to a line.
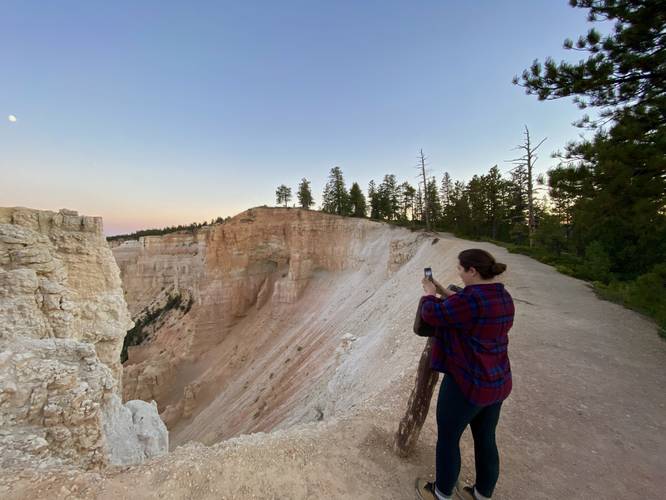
point(565, 270)
point(597, 262)
point(136, 335)
point(646, 294)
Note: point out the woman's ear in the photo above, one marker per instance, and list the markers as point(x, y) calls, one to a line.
point(473, 271)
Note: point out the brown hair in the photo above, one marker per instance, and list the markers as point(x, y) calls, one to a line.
point(482, 261)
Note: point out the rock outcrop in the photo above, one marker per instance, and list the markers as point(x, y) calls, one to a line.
point(62, 323)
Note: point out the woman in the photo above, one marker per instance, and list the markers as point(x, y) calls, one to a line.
point(470, 347)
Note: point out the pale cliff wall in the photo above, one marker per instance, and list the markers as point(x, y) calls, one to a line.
point(155, 263)
point(62, 323)
point(258, 282)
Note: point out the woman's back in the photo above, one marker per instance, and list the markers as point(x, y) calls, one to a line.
point(471, 340)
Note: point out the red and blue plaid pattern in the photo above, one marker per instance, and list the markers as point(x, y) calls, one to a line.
point(471, 340)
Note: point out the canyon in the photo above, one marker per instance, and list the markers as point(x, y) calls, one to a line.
point(268, 304)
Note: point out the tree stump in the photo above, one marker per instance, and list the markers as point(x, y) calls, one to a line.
point(418, 405)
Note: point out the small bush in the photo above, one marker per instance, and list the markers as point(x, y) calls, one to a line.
point(565, 270)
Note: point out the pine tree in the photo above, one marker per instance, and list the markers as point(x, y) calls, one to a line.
point(357, 201)
point(305, 194)
point(407, 194)
point(460, 212)
point(445, 197)
point(335, 197)
point(373, 198)
point(419, 215)
point(517, 205)
point(477, 206)
point(388, 195)
point(624, 73)
point(624, 76)
point(283, 195)
point(496, 195)
point(445, 189)
point(569, 190)
point(433, 203)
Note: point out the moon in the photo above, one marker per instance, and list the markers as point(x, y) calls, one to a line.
point(12, 118)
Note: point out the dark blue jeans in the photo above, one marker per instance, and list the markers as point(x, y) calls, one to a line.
point(454, 413)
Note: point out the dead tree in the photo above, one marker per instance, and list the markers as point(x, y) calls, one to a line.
point(426, 204)
point(418, 405)
point(526, 161)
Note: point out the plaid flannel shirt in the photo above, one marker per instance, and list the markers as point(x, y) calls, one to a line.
point(471, 340)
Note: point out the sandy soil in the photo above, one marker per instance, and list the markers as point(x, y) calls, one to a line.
point(586, 418)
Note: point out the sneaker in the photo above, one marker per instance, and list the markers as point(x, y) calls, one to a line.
point(425, 490)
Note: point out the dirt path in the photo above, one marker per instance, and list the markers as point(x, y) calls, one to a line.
point(586, 419)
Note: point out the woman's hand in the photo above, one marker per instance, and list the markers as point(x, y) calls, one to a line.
point(428, 286)
point(438, 287)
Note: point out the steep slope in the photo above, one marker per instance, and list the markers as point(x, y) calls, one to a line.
point(275, 297)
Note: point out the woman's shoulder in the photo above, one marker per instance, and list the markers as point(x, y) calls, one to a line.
point(496, 287)
point(485, 292)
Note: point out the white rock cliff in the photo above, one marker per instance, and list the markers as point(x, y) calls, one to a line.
point(62, 323)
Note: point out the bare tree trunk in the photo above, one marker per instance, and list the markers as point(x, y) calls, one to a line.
point(530, 194)
point(426, 205)
point(418, 405)
point(527, 161)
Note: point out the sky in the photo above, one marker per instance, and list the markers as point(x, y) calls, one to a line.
point(152, 114)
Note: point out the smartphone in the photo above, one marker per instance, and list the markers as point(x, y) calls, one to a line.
point(454, 288)
point(428, 273)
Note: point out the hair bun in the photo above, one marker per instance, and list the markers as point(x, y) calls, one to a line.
point(498, 268)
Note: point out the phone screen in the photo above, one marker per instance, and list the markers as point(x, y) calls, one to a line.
point(428, 272)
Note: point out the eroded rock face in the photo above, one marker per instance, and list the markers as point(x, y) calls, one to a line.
point(243, 282)
point(62, 323)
